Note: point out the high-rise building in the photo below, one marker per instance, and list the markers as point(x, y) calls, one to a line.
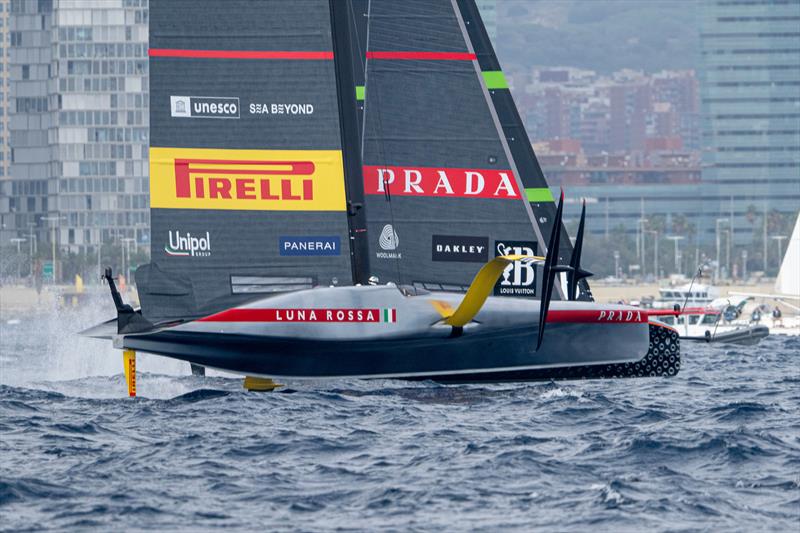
point(79, 121)
point(750, 98)
point(28, 187)
point(4, 152)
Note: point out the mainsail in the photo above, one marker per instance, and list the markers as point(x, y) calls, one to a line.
point(788, 280)
point(449, 173)
point(247, 173)
point(261, 115)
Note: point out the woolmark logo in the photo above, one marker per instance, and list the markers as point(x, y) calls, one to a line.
point(307, 246)
point(441, 182)
point(188, 245)
point(204, 106)
point(389, 241)
point(518, 278)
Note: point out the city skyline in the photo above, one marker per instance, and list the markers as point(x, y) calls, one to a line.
point(635, 145)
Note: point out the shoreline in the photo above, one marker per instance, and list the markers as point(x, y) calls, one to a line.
point(18, 300)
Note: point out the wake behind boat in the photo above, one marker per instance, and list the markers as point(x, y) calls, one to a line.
point(335, 223)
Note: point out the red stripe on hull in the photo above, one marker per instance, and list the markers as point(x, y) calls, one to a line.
point(238, 54)
point(425, 56)
point(295, 315)
point(597, 316)
point(594, 316)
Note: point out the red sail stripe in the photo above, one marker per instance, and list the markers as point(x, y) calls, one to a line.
point(237, 54)
point(429, 56)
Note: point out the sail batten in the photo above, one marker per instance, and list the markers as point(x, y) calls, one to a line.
point(239, 54)
point(421, 56)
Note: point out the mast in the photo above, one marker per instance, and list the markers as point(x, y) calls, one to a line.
point(351, 145)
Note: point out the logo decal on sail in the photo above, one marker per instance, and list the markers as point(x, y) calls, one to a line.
point(264, 180)
point(456, 248)
point(304, 245)
point(389, 241)
point(204, 106)
point(518, 278)
point(188, 245)
point(441, 182)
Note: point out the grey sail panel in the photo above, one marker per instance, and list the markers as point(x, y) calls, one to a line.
point(440, 188)
point(246, 168)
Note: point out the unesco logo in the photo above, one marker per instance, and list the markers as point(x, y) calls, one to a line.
point(204, 107)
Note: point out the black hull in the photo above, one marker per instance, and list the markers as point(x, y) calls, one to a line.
point(663, 359)
point(315, 359)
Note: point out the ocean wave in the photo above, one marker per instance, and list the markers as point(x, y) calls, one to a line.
point(716, 447)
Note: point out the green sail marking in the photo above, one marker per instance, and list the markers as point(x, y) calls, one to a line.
point(361, 92)
point(495, 79)
point(542, 194)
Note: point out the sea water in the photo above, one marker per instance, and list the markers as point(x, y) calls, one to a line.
point(715, 448)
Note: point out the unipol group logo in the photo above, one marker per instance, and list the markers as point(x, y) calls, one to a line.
point(441, 182)
point(518, 278)
point(388, 241)
point(204, 106)
point(188, 245)
point(281, 180)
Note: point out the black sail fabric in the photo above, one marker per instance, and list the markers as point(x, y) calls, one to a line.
point(443, 190)
point(246, 174)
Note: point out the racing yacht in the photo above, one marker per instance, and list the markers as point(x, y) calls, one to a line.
point(344, 188)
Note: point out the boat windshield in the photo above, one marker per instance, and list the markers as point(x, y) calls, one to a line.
point(694, 319)
point(709, 319)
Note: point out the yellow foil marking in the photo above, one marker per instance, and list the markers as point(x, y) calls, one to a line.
point(129, 362)
point(260, 384)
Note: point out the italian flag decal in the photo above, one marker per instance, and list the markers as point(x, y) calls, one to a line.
point(388, 315)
